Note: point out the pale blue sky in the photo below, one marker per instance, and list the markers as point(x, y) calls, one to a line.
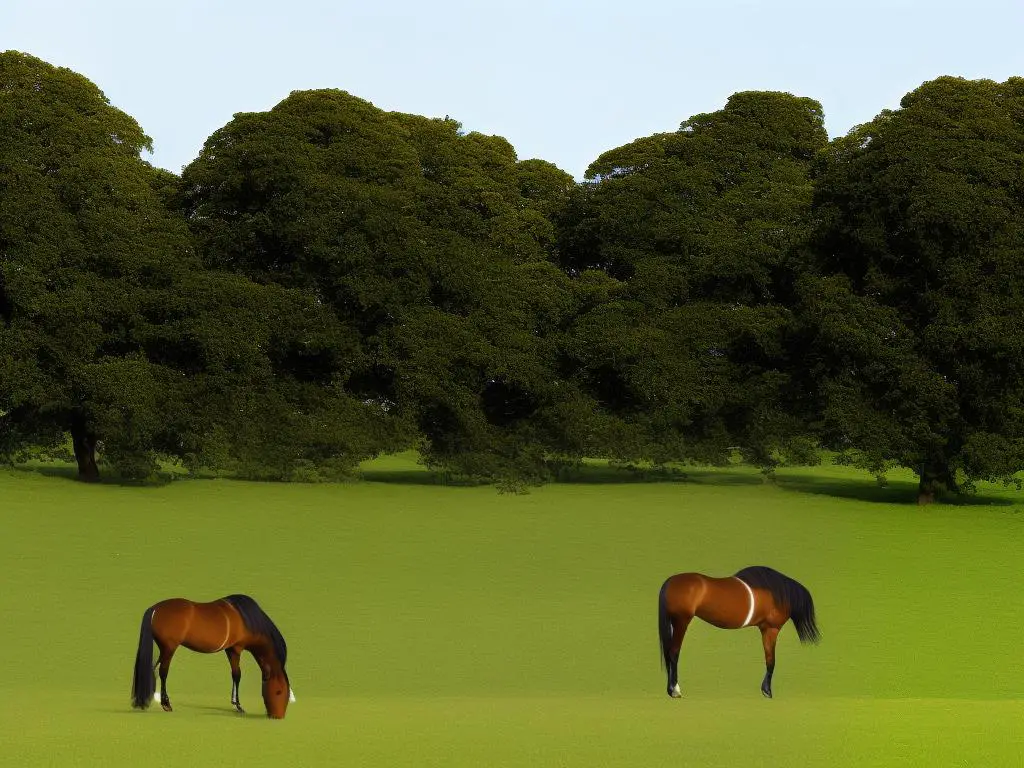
point(562, 80)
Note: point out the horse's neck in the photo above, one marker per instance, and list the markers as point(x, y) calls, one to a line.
point(267, 658)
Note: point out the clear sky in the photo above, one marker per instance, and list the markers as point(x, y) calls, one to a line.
point(562, 80)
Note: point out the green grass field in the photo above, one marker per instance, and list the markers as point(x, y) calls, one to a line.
point(433, 625)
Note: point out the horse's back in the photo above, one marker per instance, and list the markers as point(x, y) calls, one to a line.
point(200, 627)
point(684, 591)
point(171, 618)
point(172, 606)
point(173, 602)
point(720, 601)
point(692, 582)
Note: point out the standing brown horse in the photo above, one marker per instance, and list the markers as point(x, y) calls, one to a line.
point(232, 624)
point(757, 596)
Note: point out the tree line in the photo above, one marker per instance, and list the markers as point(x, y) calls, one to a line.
point(328, 281)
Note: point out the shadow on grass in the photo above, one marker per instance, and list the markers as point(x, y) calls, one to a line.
point(151, 712)
point(588, 474)
point(47, 470)
point(69, 472)
point(202, 709)
point(209, 709)
point(855, 488)
point(894, 492)
point(415, 477)
point(604, 474)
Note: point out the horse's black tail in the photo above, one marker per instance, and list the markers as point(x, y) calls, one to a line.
point(788, 592)
point(664, 628)
point(144, 680)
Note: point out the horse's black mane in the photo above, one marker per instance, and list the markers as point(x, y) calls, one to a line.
point(787, 592)
point(259, 623)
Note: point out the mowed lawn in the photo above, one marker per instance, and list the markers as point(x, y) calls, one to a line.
point(434, 625)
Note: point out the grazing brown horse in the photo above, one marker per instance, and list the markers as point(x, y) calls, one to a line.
point(755, 597)
point(232, 624)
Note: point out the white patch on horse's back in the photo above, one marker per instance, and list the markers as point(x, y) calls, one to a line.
point(750, 613)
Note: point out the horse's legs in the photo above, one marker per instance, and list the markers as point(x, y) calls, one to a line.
point(679, 625)
point(234, 656)
point(166, 653)
point(768, 637)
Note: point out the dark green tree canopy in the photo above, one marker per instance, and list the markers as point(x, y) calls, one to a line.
point(329, 280)
point(431, 245)
point(710, 211)
point(110, 329)
point(80, 230)
point(916, 328)
point(703, 228)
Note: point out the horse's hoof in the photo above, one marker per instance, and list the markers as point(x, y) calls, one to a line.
point(167, 707)
point(767, 693)
point(674, 692)
point(239, 709)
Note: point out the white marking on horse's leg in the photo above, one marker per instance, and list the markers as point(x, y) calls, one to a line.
point(291, 694)
point(156, 695)
point(676, 692)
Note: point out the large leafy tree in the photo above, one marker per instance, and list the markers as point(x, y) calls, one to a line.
point(702, 229)
point(111, 331)
point(431, 245)
point(79, 226)
point(915, 328)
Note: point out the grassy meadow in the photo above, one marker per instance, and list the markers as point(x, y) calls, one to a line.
point(437, 625)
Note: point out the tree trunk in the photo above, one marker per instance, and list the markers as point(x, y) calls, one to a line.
point(936, 477)
point(926, 489)
point(84, 443)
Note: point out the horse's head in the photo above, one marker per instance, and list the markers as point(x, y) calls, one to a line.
point(276, 690)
